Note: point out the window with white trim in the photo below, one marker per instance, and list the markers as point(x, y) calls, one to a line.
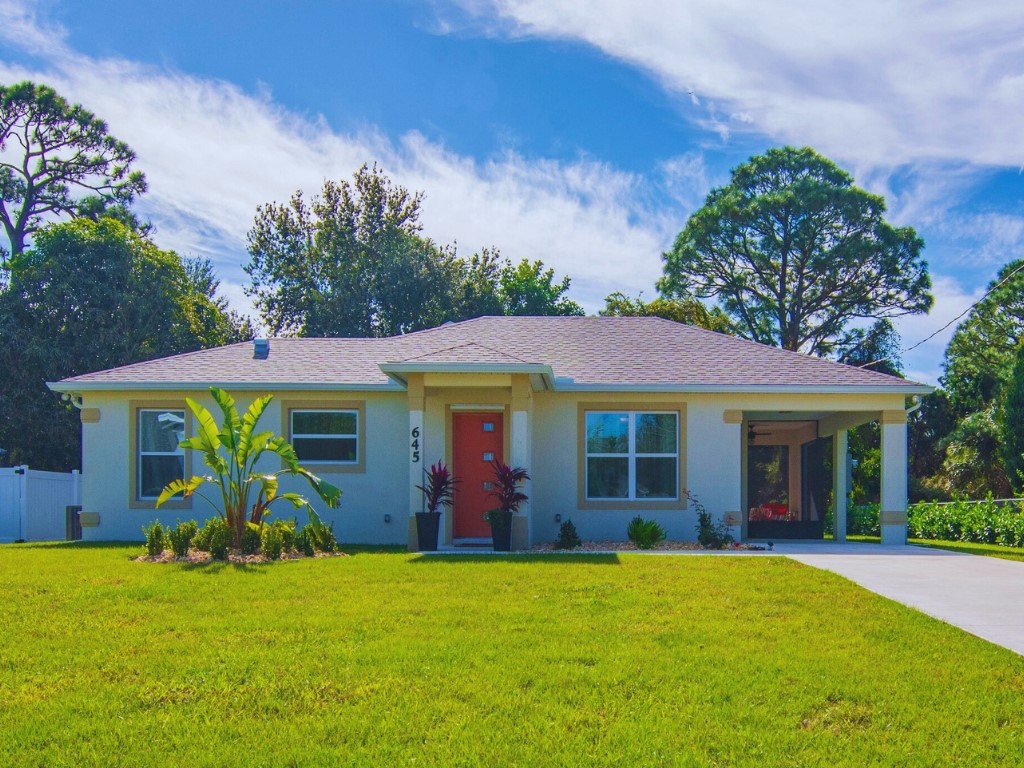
point(325, 436)
point(160, 460)
point(632, 455)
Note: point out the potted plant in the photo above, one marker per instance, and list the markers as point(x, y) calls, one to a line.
point(506, 491)
point(438, 492)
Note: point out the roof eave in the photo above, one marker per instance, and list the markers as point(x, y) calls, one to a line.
point(398, 372)
point(833, 389)
point(114, 386)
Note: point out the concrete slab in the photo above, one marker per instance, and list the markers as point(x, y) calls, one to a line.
point(981, 595)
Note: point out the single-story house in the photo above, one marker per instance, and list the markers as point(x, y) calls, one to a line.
point(613, 417)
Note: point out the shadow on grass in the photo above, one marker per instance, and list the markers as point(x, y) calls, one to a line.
point(76, 544)
point(489, 559)
point(354, 550)
point(214, 567)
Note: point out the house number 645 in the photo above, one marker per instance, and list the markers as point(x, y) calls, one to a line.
point(415, 444)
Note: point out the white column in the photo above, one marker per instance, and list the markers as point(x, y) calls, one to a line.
point(415, 461)
point(840, 484)
point(894, 477)
point(22, 502)
point(520, 443)
point(76, 487)
point(415, 446)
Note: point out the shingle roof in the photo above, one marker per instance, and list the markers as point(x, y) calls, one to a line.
point(641, 352)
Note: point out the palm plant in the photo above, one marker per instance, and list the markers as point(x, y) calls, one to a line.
point(235, 474)
point(506, 487)
point(438, 488)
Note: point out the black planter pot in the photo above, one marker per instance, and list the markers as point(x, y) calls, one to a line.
point(501, 531)
point(427, 526)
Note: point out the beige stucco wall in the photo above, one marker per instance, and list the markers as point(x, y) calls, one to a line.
point(712, 456)
point(367, 496)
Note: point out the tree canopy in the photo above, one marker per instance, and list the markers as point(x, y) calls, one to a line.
point(980, 356)
point(91, 295)
point(1013, 424)
point(794, 253)
point(353, 262)
point(687, 311)
point(56, 158)
point(974, 434)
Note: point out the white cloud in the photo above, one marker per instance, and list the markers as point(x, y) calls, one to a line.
point(876, 82)
point(213, 152)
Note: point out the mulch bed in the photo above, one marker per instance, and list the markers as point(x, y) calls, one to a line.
point(629, 546)
point(197, 556)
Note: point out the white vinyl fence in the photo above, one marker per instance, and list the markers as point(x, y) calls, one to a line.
point(33, 503)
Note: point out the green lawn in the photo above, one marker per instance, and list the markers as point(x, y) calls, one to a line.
point(396, 659)
point(989, 550)
point(967, 547)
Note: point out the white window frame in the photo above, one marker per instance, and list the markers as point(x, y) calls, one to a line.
point(631, 455)
point(340, 436)
point(178, 451)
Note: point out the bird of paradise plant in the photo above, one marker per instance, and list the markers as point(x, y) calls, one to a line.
point(231, 451)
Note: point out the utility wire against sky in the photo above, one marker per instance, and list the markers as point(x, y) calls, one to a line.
point(955, 319)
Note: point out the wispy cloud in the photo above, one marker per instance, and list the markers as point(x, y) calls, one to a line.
point(212, 152)
point(872, 82)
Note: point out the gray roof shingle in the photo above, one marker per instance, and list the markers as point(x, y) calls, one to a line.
point(618, 352)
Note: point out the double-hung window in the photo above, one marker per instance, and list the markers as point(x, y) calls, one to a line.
point(326, 436)
point(632, 455)
point(160, 459)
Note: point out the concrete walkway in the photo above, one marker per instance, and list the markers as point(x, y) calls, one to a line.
point(982, 595)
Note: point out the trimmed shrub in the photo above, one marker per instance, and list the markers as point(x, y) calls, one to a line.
point(287, 530)
point(863, 520)
point(304, 542)
point(644, 533)
point(272, 542)
point(155, 538)
point(251, 538)
point(321, 536)
point(709, 534)
point(567, 536)
point(983, 522)
point(180, 537)
point(215, 537)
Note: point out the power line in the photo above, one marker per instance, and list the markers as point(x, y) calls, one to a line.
point(984, 296)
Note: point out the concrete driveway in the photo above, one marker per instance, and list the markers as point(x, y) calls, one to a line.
point(982, 595)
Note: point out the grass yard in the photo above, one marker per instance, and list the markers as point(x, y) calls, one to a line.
point(397, 659)
point(971, 548)
point(967, 547)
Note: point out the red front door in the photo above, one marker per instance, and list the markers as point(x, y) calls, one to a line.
point(476, 442)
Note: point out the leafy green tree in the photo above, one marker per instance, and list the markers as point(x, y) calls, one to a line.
point(927, 432)
point(1012, 425)
point(980, 356)
point(54, 155)
point(91, 295)
point(350, 263)
point(353, 263)
point(973, 465)
point(876, 348)
point(232, 452)
point(978, 376)
point(686, 311)
point(527, 288)
point(795, 253)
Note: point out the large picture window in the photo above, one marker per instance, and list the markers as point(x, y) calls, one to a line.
point(632, 455)
point(325, 436)
point(160, 460)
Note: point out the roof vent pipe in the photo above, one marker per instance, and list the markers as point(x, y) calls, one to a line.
point(260, 349)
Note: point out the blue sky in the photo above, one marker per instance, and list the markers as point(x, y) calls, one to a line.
point(580, 133)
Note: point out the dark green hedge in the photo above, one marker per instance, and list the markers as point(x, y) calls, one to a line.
point(984, 522)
